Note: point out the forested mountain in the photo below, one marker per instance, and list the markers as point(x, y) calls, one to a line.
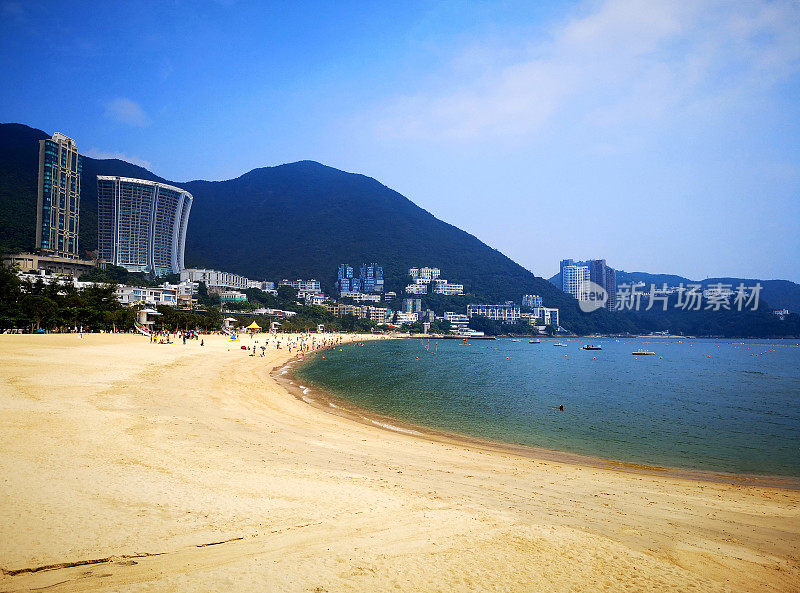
point(295, 220)
point(304, 219)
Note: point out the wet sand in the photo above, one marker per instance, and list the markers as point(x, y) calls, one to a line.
point(128, 466)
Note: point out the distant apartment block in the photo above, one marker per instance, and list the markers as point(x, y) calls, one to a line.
point(458, 321)
point(304, 285)
point(531, 301)
point(602, 275)
point(232, 296)
point(417, 289)
point(261, 285)
point(141, 224)
point(574, 278)
point(412, 305)
point(344, 280)
point(424, 275)
point(422, 278)
point(549, 316)
point(508, 313)
point(361, 297)
point(441, 286)
point(369, 279)
point(402, 317)
point(58, 197)
point(376, 314)
point(313, 298)
point(186, 292)
point(131, 295)
point(215, 279)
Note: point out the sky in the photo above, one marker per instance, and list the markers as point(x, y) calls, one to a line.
point(662, 136)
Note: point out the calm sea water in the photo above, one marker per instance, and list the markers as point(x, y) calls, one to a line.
point(699, 404)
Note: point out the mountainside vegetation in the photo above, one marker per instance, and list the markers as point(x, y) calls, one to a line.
point(302, 220)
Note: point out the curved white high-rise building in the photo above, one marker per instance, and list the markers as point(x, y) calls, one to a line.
point(141, 225)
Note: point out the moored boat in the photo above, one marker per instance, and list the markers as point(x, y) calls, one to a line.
point(591, 347)
point(643, 353)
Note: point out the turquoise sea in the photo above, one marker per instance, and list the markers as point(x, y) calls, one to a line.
point(716, 405)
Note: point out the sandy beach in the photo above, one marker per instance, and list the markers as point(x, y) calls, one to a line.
point(130, 466)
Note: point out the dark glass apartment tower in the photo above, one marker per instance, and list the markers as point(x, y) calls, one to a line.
point(141, 225)
point(58, 197)
point(601, 274)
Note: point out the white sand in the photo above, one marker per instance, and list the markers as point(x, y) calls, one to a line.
point(142, 455)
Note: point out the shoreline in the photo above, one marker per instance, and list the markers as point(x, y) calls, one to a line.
point(328, 402)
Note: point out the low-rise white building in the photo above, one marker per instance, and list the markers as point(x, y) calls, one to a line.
point(441, 286)
point(361, 297)
point(508, 313)
point(531, 300)
point(417, 289)
point(458, 321)
point(132, 295)
point(215, 279)
point(401, 317)
point(232, 296)
point(304, 285)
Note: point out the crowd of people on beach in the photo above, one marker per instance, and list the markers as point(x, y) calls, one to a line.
point(294, 343)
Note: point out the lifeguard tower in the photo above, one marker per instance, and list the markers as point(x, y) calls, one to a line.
point(145, 319)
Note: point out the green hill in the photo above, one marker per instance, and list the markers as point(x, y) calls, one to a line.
point(295, 220)
point(304, 219)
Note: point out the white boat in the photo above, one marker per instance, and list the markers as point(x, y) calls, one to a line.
point(643, 353)
point(560, 344)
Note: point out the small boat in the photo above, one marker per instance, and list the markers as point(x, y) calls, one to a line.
point(535, 342)
point(515, 340)
point(560, 344)
point(591, 347)
point(643, 353)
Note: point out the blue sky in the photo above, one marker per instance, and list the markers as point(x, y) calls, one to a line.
point(660, 135)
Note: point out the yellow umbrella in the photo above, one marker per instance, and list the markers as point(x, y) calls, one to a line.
point(254, 325)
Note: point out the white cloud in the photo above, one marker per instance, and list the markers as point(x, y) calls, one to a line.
point(102, 154)
point(125, 111)
point(619, 61)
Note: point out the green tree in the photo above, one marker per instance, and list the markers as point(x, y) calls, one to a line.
point(39, 307)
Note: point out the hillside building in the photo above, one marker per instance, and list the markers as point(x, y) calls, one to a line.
point(58, 197)
point(141, 224)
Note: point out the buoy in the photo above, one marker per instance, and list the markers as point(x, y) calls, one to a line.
point(507, 358)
